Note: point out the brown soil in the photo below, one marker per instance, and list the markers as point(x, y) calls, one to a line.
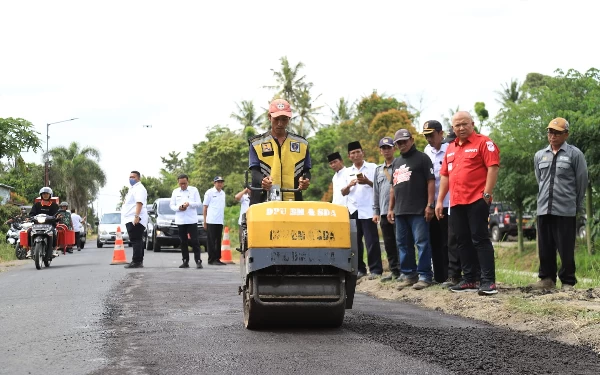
point(569, 317)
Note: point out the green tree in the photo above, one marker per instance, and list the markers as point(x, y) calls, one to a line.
point(521, 128)
point(288, 80)
point(518, 136)
point(343, 111)
point(16, 136)
point(305, 119)
point(223, 153)
point(482, 113)
point(292, 86)
point(247, 116)
point(27, 180)
point(510, 93)
point(76, 172)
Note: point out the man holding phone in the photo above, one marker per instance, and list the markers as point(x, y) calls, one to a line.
point(185, 201)
point(359, 190)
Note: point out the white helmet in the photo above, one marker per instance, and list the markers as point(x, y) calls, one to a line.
point(45, 189)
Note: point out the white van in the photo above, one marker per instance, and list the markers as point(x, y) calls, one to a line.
point(107, 229)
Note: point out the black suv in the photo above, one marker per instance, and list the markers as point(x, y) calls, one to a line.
point(162, 230)
point(503, 222)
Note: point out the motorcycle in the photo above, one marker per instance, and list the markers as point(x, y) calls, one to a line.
point(41, 239)
point(13, 237)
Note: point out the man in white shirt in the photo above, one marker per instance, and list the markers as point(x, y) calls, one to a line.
point(185, 201)
point(76, 222)
point(359, 191)
point(339, 178)
point(244, 198)
point(438, 228)
point(214, 215)
point(135, 218)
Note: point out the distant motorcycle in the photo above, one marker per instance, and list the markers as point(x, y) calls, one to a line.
point(41, 238)
point(13, 237)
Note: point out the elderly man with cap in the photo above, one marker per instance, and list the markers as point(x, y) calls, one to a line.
point(359, 190)
point(339, 178)
point(438, 228)
point(470, 172)
point(562, 176)
point(411, 209)
point(279, 158)
point(214, 215)
point(381, 201)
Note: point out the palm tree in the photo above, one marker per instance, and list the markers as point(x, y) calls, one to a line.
point(510, 94)
point(344, 111)
point(247, 116)
point(305, 113)
point(288, 80)
point(76, 172)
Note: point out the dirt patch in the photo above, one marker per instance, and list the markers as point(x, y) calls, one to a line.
point(569, 317)
point(5, 266)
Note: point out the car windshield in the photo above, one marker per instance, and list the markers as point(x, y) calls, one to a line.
point(165, 209)
point(114, 218)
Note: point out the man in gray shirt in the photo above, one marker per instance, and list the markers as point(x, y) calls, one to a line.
point(562, 176)
point(381, 202)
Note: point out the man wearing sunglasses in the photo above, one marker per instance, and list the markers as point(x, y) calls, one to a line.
point(562, 176)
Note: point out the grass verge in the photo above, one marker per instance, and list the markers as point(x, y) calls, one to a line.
point(7, 252)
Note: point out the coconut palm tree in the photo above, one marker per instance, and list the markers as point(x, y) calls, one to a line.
point(510, 93)
point(344, 111)
point(247, 116)
point(304, 121)
point(76, 171)
point(289, 80)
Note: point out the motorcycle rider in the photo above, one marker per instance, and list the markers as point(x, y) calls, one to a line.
point(19, 218)
point(48, 207)
point(63, 209)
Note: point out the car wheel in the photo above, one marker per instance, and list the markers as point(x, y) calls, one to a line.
point(581, 232)
point(496, 236)
point(155, 245)
point(99, 244)
point(148, 243)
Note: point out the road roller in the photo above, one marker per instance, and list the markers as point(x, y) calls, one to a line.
point(298, 263)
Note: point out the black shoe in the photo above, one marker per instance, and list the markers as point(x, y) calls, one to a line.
point(135, 265)
point(70, 251)
point(78, 249)
point(199, 265)
point(465, 286)
point(185, 264)
point(360, 274)
point(487, 288)
point(216, 263)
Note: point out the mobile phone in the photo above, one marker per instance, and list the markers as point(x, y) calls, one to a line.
point(359, 175)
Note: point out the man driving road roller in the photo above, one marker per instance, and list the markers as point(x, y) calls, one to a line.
point(278, 158)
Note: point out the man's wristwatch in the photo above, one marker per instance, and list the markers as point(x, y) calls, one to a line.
point(431, 205)
point(487, 196)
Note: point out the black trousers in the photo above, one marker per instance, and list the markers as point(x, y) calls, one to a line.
point(368, 229)
point(470, 225)
point(192, 230)
point(214, 235)
point(454, 268)
point(438, 238)
point(557, 233)
point(136, 232)
point(77, 239)
point(388, 230)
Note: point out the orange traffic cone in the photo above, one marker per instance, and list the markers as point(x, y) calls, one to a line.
point(226, 248)
point(119, 253)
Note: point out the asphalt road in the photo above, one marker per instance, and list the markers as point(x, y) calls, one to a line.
point(84, 316)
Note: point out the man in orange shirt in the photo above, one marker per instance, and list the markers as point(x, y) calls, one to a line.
point(470, 171)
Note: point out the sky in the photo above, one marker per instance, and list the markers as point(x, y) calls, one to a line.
point(182, 66)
